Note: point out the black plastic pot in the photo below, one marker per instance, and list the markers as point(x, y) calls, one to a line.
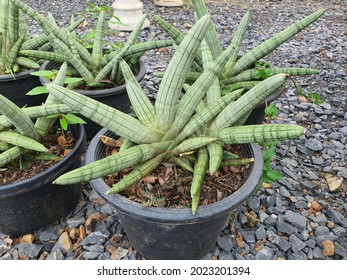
point(116, 97)
point(258, 114)
point(163, 233)
point(14, 87)
point(34, 203)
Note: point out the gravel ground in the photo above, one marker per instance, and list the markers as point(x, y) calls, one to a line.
point(300, 217)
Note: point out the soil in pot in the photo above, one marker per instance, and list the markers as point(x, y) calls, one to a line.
point(174, 233)
point(35, 202)
point(58, 144)
point(169, 185)
point(15, 87)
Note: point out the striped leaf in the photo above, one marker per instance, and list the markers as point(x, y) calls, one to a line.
point(206, 114)
point(10, 155)
point(18, 118)
point(237, 162)
point(52, 56)
point(215, 151)
point(36, 112)
point(182, 162)
point(26, 63)
point(118, 122)
point(247, 102)
point(259, 133)
point(200, 169)
point(213, 93)
point(274, 42)
point(174, 77)
point(192, 144)
point(4, 146)
point(17, 139)
point(75, 61)
point(211, 34)
point(237, 41)
point(196, 92)
point(176, 35)
point(98, 41)
point(44, 124)
point(137, 174)
point(253, 74)
point(140, 103)
point(113, 163)
point(14, 52)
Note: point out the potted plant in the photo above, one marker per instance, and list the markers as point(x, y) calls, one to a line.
point(15, 78)
point(96, 65)
point(28, 199)
point(191, 134)
point(247, 70)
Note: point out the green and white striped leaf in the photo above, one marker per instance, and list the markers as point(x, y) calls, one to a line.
point(26, 62)
point(211, 34)
point(237, 41)
point(113, 163)
point(174, 77)
point(200, 169)
point(197, 92)
point(215, 151)
point(247, 102)
point(4, 146)
point(36, 112)
point(237, 162)
point(182, 162)
point(52, 56)
point(274, 42)
point(259, 133)
point(192, 144)
point(98, 41)
point(44, 124)
point(75, 61)
point(17, 139)
point(141, 104)
point(18, 118)
point(137, 174)
point(213, 93)
point(10, 155)
point(176, 35)
point(206, 114)
point(118, 122)
point(252, 74)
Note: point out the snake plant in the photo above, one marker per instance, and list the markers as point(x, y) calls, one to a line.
point(242, 72)
point(97, 67)
point(19, 133)
point(200, 123)
point(13, 32)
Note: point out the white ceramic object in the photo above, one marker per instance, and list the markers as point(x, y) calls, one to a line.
point(129, 13)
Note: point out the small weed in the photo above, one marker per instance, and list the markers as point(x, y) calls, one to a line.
point(270, 175)
point(315, 98)
point(271, 111)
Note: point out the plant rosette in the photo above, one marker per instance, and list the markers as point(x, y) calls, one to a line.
point(28, 199)
point(33, 203)
point(189, 131)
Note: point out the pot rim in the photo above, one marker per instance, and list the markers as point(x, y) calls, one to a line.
point(170, 215)
point(16, 76)
point(99, 92)
point(47, 176)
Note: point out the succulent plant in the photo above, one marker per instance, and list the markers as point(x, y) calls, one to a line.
point(19, 133)
point(13, 32)
point(98, 67)
point(199, 123)
point(245, 71)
